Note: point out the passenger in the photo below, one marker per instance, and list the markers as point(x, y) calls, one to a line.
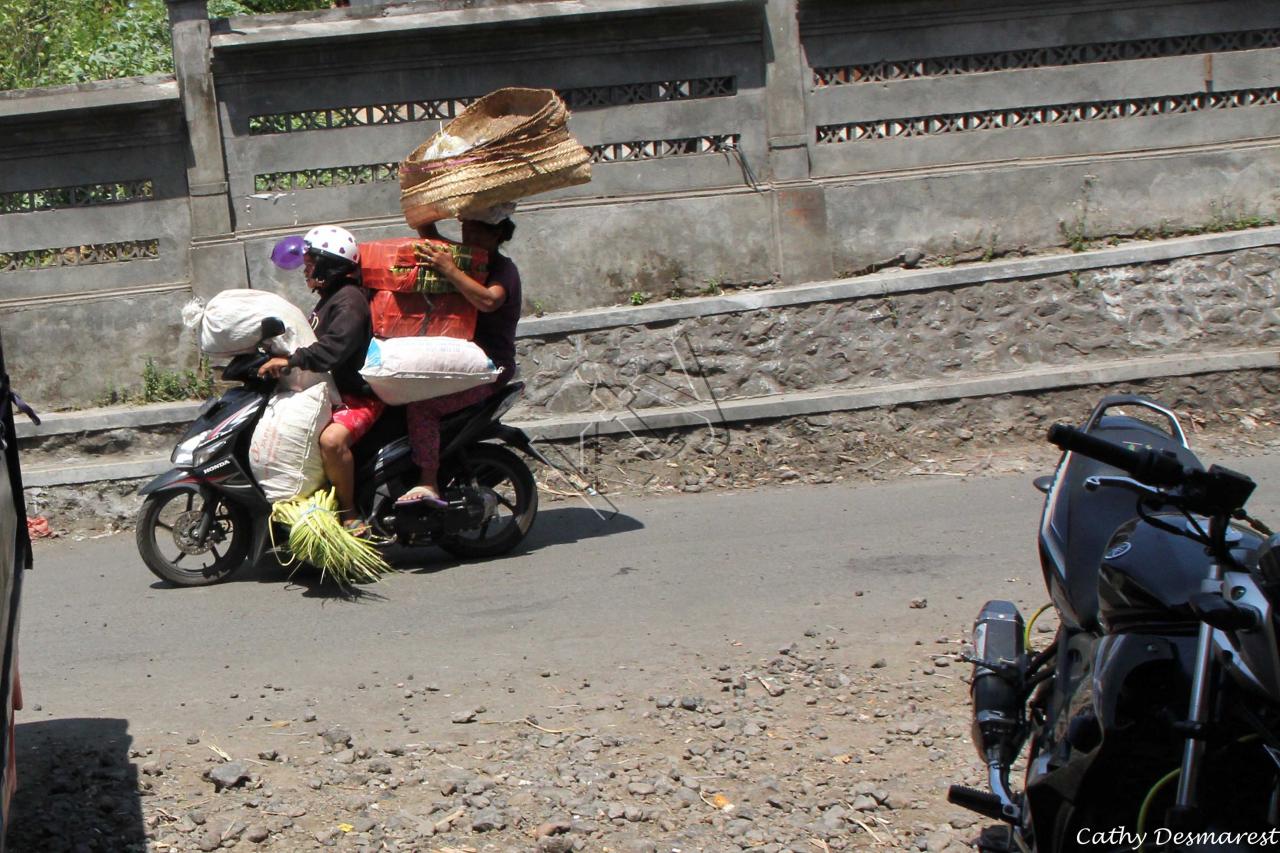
point(497, 303)
point(343, 329)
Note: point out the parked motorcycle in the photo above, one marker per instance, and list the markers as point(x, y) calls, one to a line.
point(208, 515)
point(1152, 721)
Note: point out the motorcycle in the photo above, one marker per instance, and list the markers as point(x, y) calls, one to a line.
point(1152, 720)
point(207, 516)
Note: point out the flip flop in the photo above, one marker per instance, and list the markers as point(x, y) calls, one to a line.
point(356, 528)
point(421, 496)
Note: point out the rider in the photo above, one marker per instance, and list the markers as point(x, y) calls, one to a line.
point(498, 302)
point(343, 328)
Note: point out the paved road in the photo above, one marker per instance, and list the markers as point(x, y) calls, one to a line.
point(664, 585)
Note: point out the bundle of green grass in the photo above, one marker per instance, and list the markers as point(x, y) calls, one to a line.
point(316, 536)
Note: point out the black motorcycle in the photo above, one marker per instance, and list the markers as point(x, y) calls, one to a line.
point(208, 515)
point(1152, 721)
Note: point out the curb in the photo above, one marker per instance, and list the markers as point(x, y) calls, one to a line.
point(779, 406)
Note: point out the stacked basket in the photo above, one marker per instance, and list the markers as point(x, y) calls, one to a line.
point(510, 144)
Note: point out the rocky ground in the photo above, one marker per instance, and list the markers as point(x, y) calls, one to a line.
point(839, 741)
point(815, 746)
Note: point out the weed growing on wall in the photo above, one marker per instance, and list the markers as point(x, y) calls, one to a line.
point(1075, 232)
point(639, 297)
point(991, 250)
point(165, 386)
point(1226, 215)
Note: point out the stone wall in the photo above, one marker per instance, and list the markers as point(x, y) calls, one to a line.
point(1211, 303)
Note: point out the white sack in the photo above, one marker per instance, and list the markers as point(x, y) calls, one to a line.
point(284, 453)
point(405, 370)
point(231, 324)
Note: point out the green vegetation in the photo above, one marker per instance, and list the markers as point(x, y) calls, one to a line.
point(164, 386)
point(639, 297)
point(1076, 232)
point(52, 42)
point(1227, 216)
point(992, 250)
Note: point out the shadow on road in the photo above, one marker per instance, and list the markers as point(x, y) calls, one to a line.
point(556, 526)
point(566, 525)
point(77, 790)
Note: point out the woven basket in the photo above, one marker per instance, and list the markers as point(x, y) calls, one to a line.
point(519, 145)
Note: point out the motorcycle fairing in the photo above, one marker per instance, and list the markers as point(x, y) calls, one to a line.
point(462, 428)
point(1093, 743)
point(1148, 577)
point(1077, 524)
point(226, 413)
point(1249, 657)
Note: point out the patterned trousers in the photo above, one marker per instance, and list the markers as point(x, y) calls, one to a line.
point(424, 424)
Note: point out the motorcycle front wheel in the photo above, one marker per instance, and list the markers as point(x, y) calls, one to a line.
point(506, 484)
point(167, 535)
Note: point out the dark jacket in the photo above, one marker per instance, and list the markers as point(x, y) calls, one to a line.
point(343, 328)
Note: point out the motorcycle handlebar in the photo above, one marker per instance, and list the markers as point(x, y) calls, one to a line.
point(1146, 465)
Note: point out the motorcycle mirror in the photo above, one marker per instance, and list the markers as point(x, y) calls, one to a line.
point(271, 327)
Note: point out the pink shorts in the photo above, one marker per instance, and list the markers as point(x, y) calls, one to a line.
point(358, 414)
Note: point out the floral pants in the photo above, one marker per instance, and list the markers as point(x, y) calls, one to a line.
point(424, 424)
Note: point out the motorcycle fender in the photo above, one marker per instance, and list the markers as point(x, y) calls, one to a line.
point(1119, 656)
point(516, 437)
point(261, 537)
point(169, 479)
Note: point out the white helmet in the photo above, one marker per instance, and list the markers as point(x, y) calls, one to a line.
point(333, 241)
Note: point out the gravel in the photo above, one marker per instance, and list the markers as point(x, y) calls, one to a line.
point(769, 752)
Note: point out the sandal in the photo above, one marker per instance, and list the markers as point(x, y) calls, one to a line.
point(421, 496)
point(356, 528)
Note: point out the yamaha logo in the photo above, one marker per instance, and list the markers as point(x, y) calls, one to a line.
point(1117, 551)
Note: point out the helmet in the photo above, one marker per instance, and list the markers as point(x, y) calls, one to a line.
point(333, 241)
point(335, 252)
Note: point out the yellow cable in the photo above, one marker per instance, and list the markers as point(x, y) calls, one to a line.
point(1026, 634)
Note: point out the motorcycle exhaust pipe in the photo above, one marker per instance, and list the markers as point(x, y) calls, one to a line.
point(998, 651)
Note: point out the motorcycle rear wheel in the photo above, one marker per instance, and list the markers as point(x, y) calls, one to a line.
point(166, 537)
point(510, 482)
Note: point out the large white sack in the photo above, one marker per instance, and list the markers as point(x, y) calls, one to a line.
point(231, 324)
point(284, 453)
point(405, 370)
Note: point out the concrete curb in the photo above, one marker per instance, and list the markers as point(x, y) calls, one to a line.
point(45, 476)
point(782, 405)
point(113, 417)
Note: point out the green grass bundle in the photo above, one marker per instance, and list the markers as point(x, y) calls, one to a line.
point(316, 536)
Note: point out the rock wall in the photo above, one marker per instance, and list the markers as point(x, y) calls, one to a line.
point(1215, 302)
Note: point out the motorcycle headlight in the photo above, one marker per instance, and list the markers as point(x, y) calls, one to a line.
point(205, 452)
point(184, 454)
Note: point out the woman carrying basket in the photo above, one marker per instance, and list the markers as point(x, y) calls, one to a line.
point(497, 302)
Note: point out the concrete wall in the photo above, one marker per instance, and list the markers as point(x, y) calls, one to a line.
point(740, 141)
point(902, 371)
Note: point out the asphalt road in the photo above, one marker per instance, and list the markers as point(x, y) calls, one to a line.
point(661, 588)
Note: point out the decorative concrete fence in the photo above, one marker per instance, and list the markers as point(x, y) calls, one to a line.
point(736, 142)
